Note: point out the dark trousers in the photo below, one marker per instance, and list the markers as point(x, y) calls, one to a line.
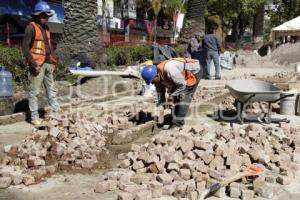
point(182, 103)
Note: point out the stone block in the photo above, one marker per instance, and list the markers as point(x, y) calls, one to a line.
point(185, 174)
point(200, 145)
point(102, 187)
point(197, 176)
point(112, 185)
point(190, 155)
point(17, 179)
point(173, 166)
point(54, 131)
point(266, 190)
point(235, 192)
point(143, 195)
point(125, 163)
point(125, 196)
point(5, 182)
point(193, 195)
point(220, 193)
point(207, 158)
point(138, 165)
point(215, 174)
point(28, 180)
point(217, 163)
point(88, 163)
point(271, 178)
point(169, 190)
point(247, 194)
point(284, 180)
point(187, 146)
point(156, 188)
point(165, 179)
point(201, 186)
point(180, 190)
point(191, 185)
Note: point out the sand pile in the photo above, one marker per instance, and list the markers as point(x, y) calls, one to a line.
point(286, 54)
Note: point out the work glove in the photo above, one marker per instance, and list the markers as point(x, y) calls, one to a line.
point(35, 69)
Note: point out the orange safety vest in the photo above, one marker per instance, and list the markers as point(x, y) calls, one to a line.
point(38, 49)
point(190, 78)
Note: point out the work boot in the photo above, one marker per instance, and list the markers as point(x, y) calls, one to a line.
point(170, 126)
point(36, 122)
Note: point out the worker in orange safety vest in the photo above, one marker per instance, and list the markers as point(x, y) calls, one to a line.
point(40, 59)
point(179, 77)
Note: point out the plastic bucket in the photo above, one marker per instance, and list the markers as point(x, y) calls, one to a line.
point(297, 67)
point(288, 104)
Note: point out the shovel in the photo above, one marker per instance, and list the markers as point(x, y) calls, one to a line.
point(251, 170)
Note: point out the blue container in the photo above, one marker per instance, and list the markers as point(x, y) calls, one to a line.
point(6, 84)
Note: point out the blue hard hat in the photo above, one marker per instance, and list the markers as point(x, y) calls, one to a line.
point(148, 73)
point(42, 7)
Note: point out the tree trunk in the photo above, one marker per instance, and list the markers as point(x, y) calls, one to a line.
point(194, 20)
point(258, 24)
point(80, 32)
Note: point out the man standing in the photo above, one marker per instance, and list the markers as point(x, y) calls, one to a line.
point(212, 46)
point(180, 78)
point(39, 57)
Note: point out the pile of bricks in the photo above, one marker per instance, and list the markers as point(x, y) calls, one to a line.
point(182, 163)
point(66, 140)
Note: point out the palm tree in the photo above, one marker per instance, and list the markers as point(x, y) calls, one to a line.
point(80, 31)
point(258, 24)
point(194, 20)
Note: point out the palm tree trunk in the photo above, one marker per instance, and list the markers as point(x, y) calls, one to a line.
point(258, 25)
point(80, 31)
point(194, 20)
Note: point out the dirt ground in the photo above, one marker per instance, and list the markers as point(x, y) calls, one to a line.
point(80, 186)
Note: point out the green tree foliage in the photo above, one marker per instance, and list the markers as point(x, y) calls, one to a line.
point(283, 10)
point(235, 14)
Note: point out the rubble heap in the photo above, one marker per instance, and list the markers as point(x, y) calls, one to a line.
point(67, 140)
point(182, 163)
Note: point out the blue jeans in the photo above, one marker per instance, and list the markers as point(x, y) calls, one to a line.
point(212, 56)
point(44, 77)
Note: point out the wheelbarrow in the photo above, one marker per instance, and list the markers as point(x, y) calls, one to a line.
point(249, 91)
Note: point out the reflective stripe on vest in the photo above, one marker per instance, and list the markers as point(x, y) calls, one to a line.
point(190, 78)
point(38, 49)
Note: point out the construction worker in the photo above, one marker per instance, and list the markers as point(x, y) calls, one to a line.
point(212, 47)
point(179, 77)
point(39, 57)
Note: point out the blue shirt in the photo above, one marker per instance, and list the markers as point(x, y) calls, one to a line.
point(212, 42)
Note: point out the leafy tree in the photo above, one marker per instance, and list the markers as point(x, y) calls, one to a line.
point(236, 15)
point(283, 10)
